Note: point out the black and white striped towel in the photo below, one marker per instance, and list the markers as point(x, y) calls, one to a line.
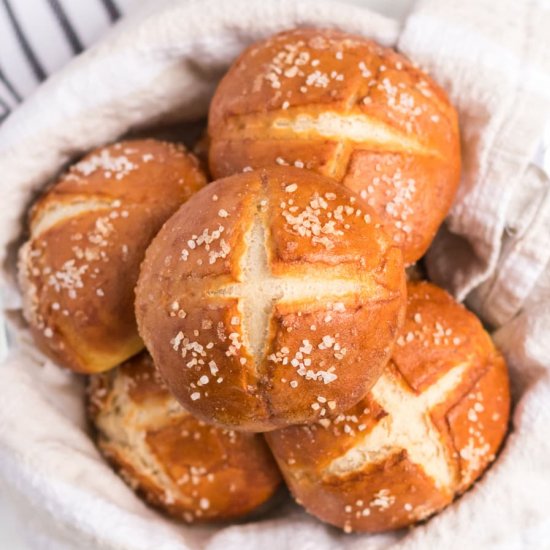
point(37, 37)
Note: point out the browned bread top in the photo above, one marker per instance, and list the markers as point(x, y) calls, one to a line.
point(88, 235)
point(271, 298)
point(426, 431)
point(347, 108)
point(185, 467)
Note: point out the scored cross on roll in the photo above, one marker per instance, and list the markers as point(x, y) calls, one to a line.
point(88, 235)
point(271, 298)
point(183, 466)
point(425, 432)
point(348, 108)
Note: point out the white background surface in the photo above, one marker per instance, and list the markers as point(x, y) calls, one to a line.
point(11, 527)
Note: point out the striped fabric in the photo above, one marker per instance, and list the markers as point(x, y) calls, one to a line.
point(39, 36)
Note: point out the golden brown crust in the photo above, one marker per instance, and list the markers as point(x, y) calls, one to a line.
point(270, 299)
point(347, 108)
point(425, 432)
point(187, 468)
point(89, 233)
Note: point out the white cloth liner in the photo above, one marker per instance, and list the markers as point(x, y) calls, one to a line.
point(494, 60)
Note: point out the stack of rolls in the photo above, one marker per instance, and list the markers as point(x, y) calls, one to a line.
point(284, 338)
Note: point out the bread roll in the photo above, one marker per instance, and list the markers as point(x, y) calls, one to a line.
point(187, 468)
point(271, 298)
point(347, 108)
point(88, 235)
point(428, 429)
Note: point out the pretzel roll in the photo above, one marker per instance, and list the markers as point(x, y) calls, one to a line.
point(88, 236)
point(425, 432)
point(271, 298)
point(180, 464)
point(350, 109)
